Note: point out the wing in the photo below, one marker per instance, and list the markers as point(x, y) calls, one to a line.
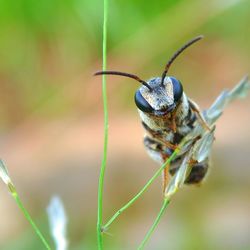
point(196, 146)
point(215, 111)
point(197, 150)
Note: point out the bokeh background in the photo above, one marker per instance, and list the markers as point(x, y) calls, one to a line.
point(51, 129)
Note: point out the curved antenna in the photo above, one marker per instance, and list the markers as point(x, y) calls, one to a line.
point(176, 54)
point(123, 74)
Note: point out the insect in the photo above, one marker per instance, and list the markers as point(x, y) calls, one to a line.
point(169, 116)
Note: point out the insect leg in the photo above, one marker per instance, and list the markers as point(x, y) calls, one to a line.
point(165, 178)
point(173, 119)
point(173, 122)
point(200, 158)
point(200, 116)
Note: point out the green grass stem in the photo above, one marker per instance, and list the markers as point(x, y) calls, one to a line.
point(105, 146)
point(27, 215)
point(4, 175)
point(159, 171)
point(155, 224)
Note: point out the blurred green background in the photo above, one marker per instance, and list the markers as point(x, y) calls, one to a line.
point(51, 129)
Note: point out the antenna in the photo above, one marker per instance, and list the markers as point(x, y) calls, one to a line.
point(176, 54)
point(124, 74)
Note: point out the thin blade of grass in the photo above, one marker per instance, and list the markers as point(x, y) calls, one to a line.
point(155, 224)
point(7, 180)
point(127, 205)
point(105, 145)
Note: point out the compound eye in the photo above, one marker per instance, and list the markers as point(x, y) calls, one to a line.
point(141, 103)
point(177, 89)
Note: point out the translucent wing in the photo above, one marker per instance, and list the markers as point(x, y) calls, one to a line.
point(211, 115)
point(199, 149)
point(215, 111)
point(202, 147)
point(179, 178)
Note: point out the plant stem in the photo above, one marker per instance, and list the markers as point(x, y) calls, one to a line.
point(26, 214)
point(156, 222)
point(105, 146)
point(121, 210)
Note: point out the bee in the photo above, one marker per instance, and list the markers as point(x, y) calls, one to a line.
point(169, 116)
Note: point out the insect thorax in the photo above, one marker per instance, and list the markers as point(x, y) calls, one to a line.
point(162, 125)
point(160, 133)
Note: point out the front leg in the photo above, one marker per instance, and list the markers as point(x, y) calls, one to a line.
point(200, 116)
point(166, 175)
